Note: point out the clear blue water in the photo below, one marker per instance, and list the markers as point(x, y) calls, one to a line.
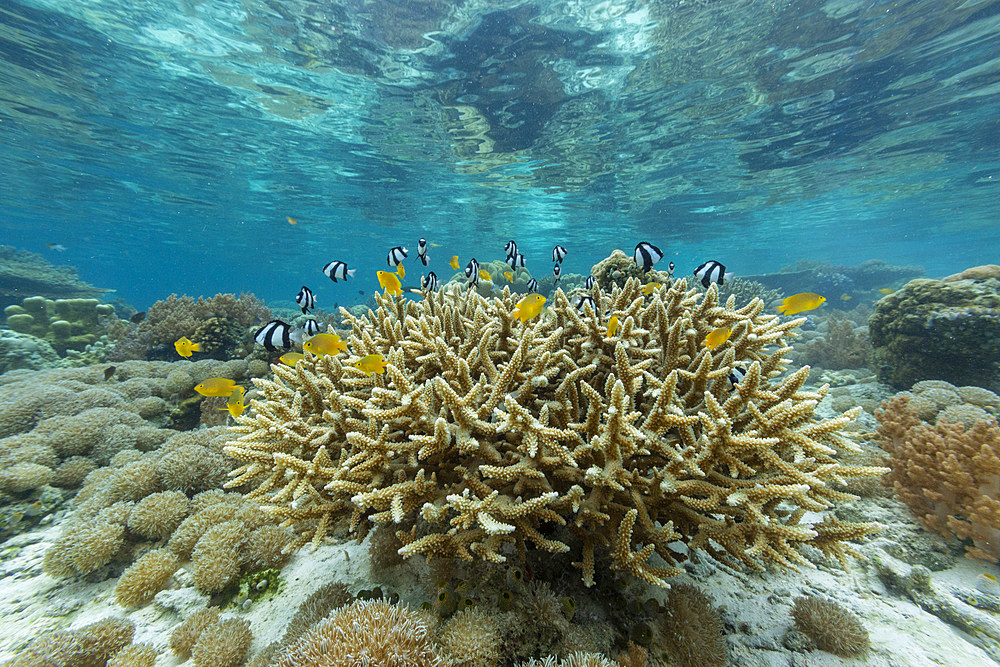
point(163, 143)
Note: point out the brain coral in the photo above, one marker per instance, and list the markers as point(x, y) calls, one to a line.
point(486, 434)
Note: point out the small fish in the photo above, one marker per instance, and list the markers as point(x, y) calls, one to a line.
point(401, 271)
point(799, 303)
point(529, 307)
point(612, 326)
point(311, 328)
point(532, 284)
point(886, 290)
point(670, 270)
point(396, 255)
point(373, 363)
point(586, 301)
point(361, 292)
point(510, 249)
point(58, 247)
point(185, 347)
point(649, 288)
point(558, 254)
point(712, 271)
point(846, 297)
point(306, 299)
point(646, 255)
point(485, 275)
point(557, 271)
point(235, 404)
point(325, 343)
point(273, 335)
point(390, 282)
point(137, 318)
point(516, 260)
point(454, 262)
point(422, 251)
point(337, 269)
point(215, 387)
point(430, 282)
point(717, 337)
point(509, 276)
point(109, 373)
point(291, 220)
point(472, 272)
point(737, 374)
point(291, 358)
point(589, 282)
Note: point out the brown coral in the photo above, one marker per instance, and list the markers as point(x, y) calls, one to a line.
point(157, 515)
point(692, 629)
point(186, 635)
point(145, 578)
point(223, 644)
point(834, 629)
point(90, 646)
point(471, 638)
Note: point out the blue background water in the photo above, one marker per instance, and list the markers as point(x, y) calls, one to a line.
point(163, 143)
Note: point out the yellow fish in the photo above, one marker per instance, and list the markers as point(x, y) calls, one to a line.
point(454, 262)
point(435, 245)
point(291, 358)
point(612, 326)
point(717, 337)
point(846, 297)
point(400, 270)
point(529, 307)
point(649, 288)
point(235, 404)
point(509, 276)
point(291, 220)
point(325, 343)
point(886, 290)
point(390, 281)
point(185, 347)
point(485, 275)
point(799, 303)
point(373, 363)
point(216, 387)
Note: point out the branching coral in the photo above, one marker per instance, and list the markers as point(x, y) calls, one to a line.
point(486, 435)
point(947, 474)
point(841, 347)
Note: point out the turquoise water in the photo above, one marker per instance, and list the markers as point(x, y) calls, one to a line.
point(164, 143)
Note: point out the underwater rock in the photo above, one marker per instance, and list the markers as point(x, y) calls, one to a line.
point(20, 350)
point(935, 329)
point(23, 272)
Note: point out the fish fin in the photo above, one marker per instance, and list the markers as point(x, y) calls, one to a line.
point(196, 347)
point(296, 336)
point(350, 272)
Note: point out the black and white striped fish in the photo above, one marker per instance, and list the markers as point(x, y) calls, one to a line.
point(510, 249)
point(558, 254)
point(589, 282)
point(670, 270)
point(396, 256)
point(311, 328)
point(274, 335)
point(422, 251)
point(306, 299)
point(472, 272)
point(337, 269)
point(646, 255)
point(532, 285)
point(737, 374)
point(516, 260)
point(557, 272)
point(429, 282)
point(712, 272)
point(586, 300)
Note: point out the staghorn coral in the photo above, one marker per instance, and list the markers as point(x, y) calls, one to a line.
point(834, 629)
point(485, 432)
point(947, 474)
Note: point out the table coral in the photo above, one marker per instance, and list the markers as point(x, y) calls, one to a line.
point(23, 272)
point(66, 324)
point(487, 435)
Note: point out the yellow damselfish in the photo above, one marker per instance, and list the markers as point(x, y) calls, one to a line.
point(291, 358)
point(390, 282)
point(215, 387)
point(799, 303)
point(454, 262)
point(649, 288)
point(185, 347)
point(509, 276)
point(400, 270)
point(886, 290)
point(373, 363)
point(235, 404)
point(325, 343)
point(612, 326)
point(846, 297)
point(717, 337)
point(529, 307)
point(485, 275)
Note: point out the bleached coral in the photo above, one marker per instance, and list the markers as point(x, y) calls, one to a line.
point(486, 435)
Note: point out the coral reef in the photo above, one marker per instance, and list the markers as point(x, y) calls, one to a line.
point(691, 629)
point(840, 347)
point(947, 474)
point(23, 272)
point(618, 267)
point(18, 350)
point(939, 330)
point(746, 291)
point(90, 646)
point(485, 432)
point(65, 324)
point(834, 629)
point(834, 280)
